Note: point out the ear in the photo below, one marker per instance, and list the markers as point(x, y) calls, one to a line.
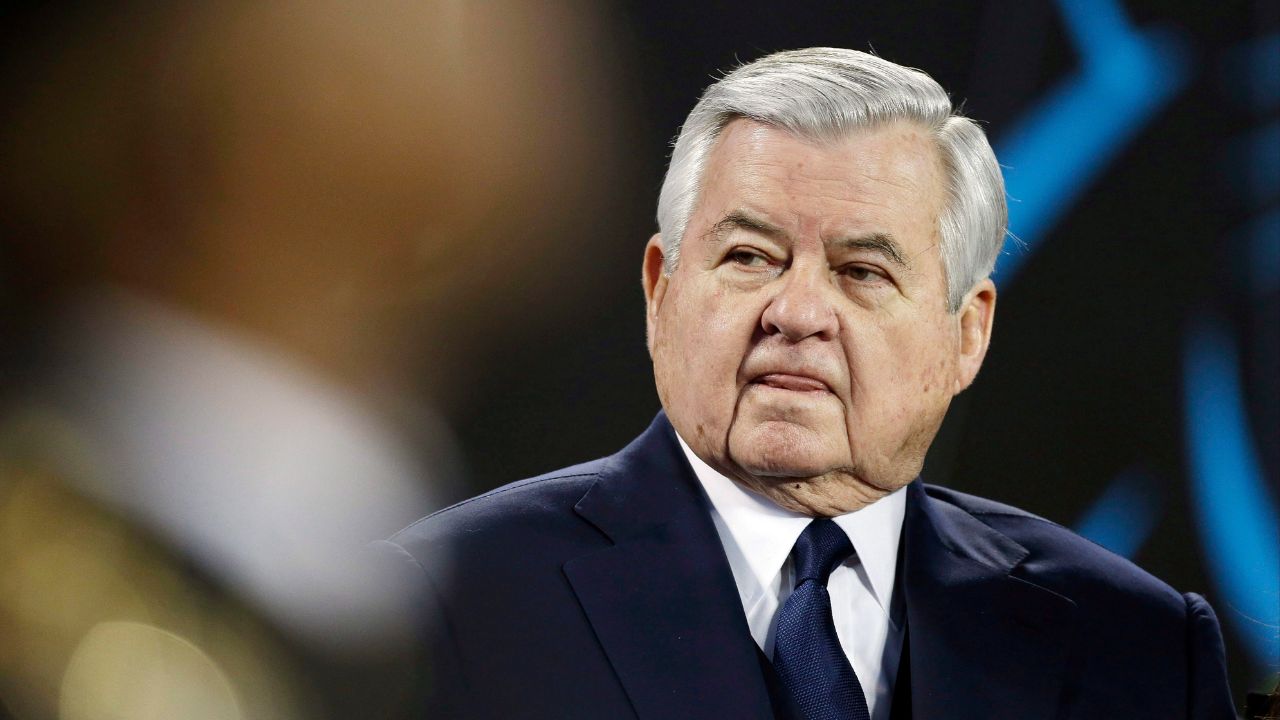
point(976, 318)
point(655, 285)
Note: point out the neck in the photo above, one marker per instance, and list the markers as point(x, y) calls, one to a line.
point(831, 494)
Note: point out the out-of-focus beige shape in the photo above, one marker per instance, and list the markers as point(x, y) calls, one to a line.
point(68, 566)
point(250, 228)
point(345, 179)
point(135, 671)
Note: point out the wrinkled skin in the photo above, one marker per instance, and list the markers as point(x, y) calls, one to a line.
point(802, 345)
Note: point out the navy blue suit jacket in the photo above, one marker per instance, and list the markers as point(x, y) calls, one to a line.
point(602, 591)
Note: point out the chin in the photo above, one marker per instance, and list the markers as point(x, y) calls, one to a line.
point(780, 448)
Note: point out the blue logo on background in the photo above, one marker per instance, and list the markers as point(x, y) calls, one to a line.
point(1052, 154)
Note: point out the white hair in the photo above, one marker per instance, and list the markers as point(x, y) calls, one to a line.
point(823, 94)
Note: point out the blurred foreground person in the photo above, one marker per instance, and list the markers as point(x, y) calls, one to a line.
point(231, 229)
point(817, 295)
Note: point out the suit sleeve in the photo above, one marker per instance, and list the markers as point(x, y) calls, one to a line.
point(1208, 694)
point(439, 686)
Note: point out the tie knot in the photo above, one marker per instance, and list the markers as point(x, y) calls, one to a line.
point(821, 547)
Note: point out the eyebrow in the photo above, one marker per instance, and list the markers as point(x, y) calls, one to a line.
point(741, 220)
point(879, 242)
point(882, 243)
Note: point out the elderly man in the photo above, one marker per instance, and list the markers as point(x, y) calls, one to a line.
point(816, 296)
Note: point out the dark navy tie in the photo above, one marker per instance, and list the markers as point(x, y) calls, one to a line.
point(806, 652)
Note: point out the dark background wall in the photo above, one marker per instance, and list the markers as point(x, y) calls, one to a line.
point(1131, 388)
point(1158, 253)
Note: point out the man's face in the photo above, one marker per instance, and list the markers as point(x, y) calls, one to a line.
point(803, 345)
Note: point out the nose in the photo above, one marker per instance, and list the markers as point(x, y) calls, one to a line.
point(802, 308)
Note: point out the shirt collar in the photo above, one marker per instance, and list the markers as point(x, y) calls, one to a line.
point(764, 533)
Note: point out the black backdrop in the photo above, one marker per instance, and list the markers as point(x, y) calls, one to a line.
point(1086, 411)
point(1083, 388)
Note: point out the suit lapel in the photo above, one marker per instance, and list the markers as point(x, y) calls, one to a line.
point(983, 643)
point(662, 600)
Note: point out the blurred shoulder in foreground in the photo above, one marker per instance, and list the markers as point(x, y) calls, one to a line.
point(234, 235)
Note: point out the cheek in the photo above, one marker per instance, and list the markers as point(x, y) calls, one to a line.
point(895, 371)
point(698, 347)
point(934, 372)
point(704, 334)
point(700, 342)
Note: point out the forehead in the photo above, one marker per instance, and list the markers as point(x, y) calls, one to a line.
point(882, 179)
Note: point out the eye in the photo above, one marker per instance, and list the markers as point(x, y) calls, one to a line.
point(747, 258)
point(863, 273)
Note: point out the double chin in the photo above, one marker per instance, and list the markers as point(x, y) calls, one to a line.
point(830, 494)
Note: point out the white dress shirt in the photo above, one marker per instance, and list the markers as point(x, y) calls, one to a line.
point(758, 537)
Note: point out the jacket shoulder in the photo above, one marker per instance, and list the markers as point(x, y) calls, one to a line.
point(525, 504)
point(1143, 636)
point(1062, 560)
point(975, 505)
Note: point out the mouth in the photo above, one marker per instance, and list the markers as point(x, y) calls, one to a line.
point(794, 383)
